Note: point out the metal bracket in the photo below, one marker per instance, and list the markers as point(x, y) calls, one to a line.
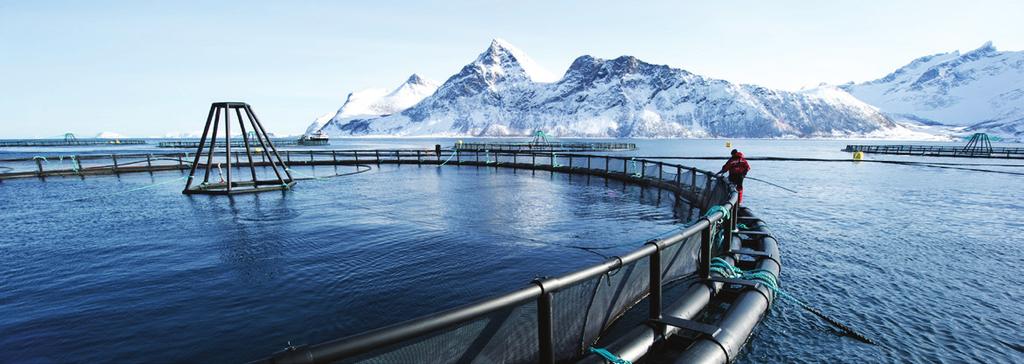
point(755, 285)
point(753, 233)
point(712, 332)
point(756, 254)
point(751, 252)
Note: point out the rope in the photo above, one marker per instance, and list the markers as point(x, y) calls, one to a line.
point(632, 163)
point(607, 355)
point(360, 168)
point(125, 191)
point(768, 279)
point(717, 208)
point(772, 184)
point(454, 153)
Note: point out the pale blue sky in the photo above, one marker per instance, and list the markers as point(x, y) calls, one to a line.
point(145, 68)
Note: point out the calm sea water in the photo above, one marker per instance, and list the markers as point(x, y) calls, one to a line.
point(924, 260)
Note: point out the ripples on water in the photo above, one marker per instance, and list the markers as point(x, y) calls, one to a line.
point(926, 261)
point(158, 276)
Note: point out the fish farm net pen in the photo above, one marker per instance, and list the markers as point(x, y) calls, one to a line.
point(558, 319)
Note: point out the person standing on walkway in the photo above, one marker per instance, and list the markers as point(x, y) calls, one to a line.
point(737, 167)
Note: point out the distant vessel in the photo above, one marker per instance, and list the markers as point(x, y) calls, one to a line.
point(318, 138)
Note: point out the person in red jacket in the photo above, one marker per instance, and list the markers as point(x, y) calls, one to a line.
point(737, 167)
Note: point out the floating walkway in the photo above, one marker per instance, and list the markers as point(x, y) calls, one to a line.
point(546, 147)
point(979, 146)
point(68, 142)
point(938, 151)
point(236, 143)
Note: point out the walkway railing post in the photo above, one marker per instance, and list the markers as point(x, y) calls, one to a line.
point(693, 182)
point(545, 329)
point(704, 262)
point(655, 282)
point(39, 165)
point(376, 153)
point(114, 157)
point(727, 226)
point(419, 158)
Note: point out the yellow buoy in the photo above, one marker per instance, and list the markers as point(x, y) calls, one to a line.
point(728, 144)
point(858, 155)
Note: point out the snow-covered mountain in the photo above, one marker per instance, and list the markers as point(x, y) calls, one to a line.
point(982, 89)
point(503, 92)
point(376, 102)
point(109, 135)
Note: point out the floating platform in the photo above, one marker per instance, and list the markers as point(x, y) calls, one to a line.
point(979, 146)
point(939, 151)
point(546, 147)
point(68, 143)
point(193, 144)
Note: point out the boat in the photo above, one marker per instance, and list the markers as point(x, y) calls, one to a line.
point(318, 138)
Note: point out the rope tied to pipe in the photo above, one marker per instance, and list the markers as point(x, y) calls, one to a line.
point(632, 164)
point(607, 355)
point(768, 279)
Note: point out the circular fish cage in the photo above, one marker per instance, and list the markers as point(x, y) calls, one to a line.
point(660, 302)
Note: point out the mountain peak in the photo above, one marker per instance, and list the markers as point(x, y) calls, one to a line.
point(984, 49)
point(415, 79)
point(501, 51)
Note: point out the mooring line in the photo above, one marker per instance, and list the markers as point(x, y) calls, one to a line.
point(360, 168)
point(772, 184)
point(122, 192)
point(724, 269)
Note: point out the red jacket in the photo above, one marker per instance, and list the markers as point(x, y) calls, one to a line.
point(737, 165)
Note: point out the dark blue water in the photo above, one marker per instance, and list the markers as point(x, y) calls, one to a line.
point(924, 260)
point(157, 276)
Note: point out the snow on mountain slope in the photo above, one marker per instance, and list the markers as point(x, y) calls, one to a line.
point(109, 135)
point(319, 123)
point(982, 89)
point(497, 95)
point(377, 102)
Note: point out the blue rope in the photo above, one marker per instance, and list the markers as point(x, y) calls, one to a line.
point(607, 355)
point(454, 153)
point(718, 208)
point(125, 191)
